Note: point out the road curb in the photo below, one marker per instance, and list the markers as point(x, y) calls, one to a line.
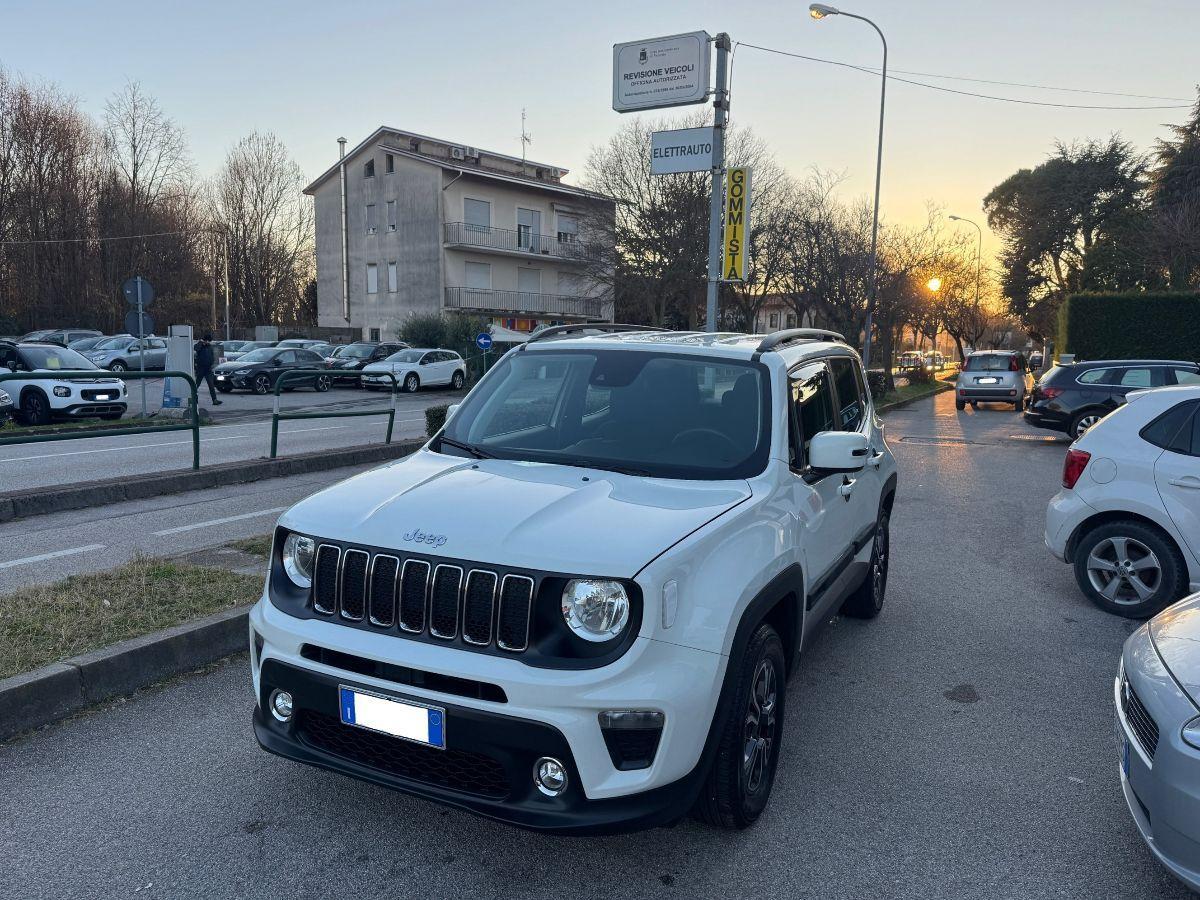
point(881, 409)
point(85, 495)
point(53, 692)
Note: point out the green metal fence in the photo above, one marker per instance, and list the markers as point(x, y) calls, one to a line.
point(301, 374)
point(193, 426)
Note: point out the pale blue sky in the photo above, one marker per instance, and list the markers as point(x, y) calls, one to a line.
point(313, 71)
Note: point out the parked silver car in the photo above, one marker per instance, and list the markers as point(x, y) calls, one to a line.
point(121, 354)
point(992, 376)
point(1157, 695)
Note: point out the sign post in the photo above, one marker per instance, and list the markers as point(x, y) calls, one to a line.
point(483, 341)
point(139, 294)
point(737, 224)
point(720, 116)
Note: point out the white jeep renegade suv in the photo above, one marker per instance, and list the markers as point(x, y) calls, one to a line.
point(575, 609)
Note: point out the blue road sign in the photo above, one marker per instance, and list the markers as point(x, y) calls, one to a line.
point(483, 341)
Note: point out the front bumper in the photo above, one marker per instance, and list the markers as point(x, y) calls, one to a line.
point(241, 382)
point(1162, 790)
point(544, 712)
point(87, 410)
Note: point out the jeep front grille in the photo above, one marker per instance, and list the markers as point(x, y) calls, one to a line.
point(445, 601)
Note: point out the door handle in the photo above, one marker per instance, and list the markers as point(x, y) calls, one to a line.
point(1188, 481)
point(875, 460)
point(847, 488)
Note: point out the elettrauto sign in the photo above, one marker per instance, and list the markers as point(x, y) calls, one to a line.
point(683, 150)
point(664, 71)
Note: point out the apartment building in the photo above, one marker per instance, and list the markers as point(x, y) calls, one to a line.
point(409, 224)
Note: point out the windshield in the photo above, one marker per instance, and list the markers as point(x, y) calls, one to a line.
point(989, 362)
point(357, 351)
point(643, 413)
point(262, 354)
point(405, 356)
point(118, 343)
point(54, 358)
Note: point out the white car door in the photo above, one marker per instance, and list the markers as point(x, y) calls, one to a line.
point(866, 486)
point(830, 518)
point(443, 366)
point(1177, 476)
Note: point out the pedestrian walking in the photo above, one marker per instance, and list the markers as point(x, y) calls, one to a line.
point(204, 365)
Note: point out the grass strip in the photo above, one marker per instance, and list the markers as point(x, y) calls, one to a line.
point(46, 623)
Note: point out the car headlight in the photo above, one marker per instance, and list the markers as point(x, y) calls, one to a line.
point(1191, 732)
point(595, 610)
point(298, 555)
point(62, 391)
point(242, 372)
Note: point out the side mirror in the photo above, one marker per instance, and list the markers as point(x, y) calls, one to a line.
point(451, 410)
point(838, 451)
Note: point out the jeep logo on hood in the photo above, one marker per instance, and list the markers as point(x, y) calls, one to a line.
point(420, 537)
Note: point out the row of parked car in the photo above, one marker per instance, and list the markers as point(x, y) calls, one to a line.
point(254, 366)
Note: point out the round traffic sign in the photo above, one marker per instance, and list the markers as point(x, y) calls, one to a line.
point(483, 341)
point(139, 329)
point(130, 290)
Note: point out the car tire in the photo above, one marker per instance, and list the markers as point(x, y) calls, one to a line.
point(322, 383)
point(1082, 422)
point(1018, 405)
point(1100, 570)
point(457, 382)
point(35, 407)
point(118, 366)
point(738, 784)
point(412, 383)
point(867, 600)
point(960, 405)
point(261, 384)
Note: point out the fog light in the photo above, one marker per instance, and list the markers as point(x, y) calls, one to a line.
point(550, 776)
point(281, 705)
point(62, 392)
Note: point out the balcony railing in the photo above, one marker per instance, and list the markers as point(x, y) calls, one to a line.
point(563, 246)
point(524, 302)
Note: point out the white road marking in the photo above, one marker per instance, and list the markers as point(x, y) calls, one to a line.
point(42, 557)
point(222, 521)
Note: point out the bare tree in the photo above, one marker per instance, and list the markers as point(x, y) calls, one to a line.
point(258, 203)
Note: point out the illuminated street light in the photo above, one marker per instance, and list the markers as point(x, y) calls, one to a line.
point(978, 255)
point(934, 284)
point(820, 11)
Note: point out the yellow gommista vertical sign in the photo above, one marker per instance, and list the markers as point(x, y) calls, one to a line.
point(737, 224)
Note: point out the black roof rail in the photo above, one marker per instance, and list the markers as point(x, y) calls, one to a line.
point(599, 327)
point(779, 338)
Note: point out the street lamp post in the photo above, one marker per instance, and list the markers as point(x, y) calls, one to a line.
point(978, 259)
point(820, 11)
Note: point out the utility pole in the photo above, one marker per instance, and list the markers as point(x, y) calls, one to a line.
point(720, 117)
point(227, 336)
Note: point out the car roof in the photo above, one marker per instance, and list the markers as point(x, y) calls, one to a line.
point(724, 344)
point(1095, 363)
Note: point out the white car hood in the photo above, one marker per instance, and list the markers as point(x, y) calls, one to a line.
point(1176, 636)
point(524, 515)
point(383, 366)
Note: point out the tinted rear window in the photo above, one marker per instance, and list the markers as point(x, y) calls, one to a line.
point(1172, 430)
point(989, 362)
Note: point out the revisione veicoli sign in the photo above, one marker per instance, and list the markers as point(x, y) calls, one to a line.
point(684, 150)
point(663, 71)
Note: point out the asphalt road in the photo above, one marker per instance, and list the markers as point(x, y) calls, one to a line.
point(960, 745)
point(47, 548)
point(244, 434)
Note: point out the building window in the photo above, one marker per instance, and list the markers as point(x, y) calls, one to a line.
point(391, 214)
point(570, 285)
point(529, 224)
point(478, 276)
point(389, 163)
point(372, 278)
point(773, 320)
point(369, 169)
point(477, 214)
point(791, 320)
point(392, 278)
point(374, 334)
point(370, 218)
point(529, 281)
point(568, 229)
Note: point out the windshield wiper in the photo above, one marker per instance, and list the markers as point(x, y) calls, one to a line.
point(468, 448)
point(611, 467)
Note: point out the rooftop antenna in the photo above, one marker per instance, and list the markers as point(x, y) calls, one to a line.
point(526, 137)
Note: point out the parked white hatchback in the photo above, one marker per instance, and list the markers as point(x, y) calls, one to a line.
point(1128, 514)
point(416, 368)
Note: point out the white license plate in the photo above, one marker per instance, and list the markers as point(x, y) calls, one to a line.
point(103, 397)
point(410, 721)
point(989, 381)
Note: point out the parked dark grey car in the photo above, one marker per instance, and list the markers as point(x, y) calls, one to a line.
point(121, 354)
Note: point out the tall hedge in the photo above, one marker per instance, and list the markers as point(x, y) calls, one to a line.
point(1130, 326)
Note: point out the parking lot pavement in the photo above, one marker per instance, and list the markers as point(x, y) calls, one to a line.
point(245, 436)
point(960, 745)
point(47, 548)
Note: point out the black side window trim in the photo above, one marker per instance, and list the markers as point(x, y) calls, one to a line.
point(807, 472)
